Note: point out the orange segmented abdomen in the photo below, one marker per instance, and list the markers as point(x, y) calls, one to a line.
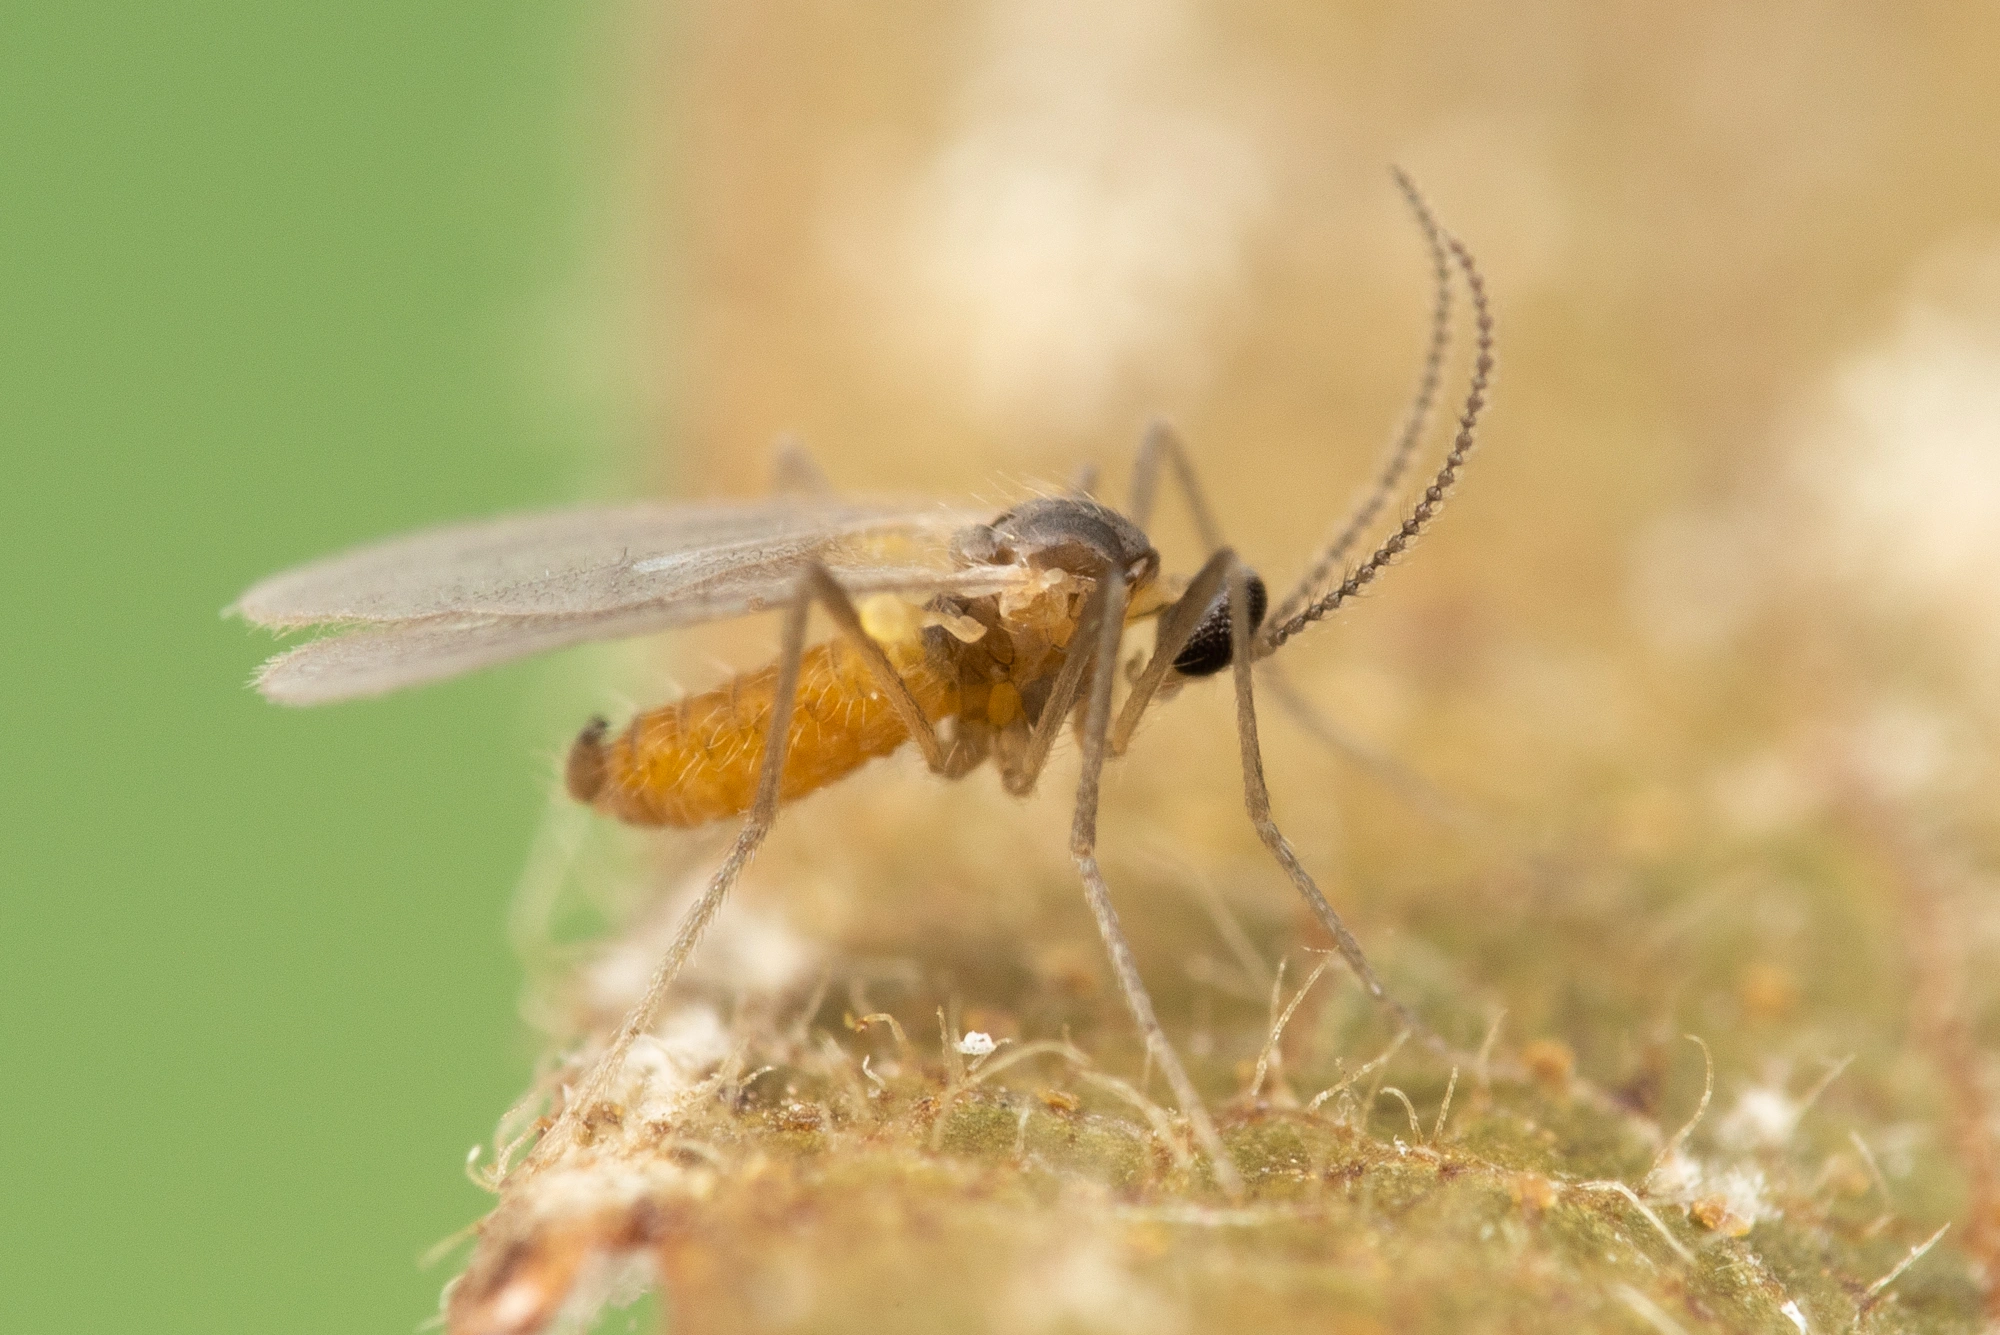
point(697, 760)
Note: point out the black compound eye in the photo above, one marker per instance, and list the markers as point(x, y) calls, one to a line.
point(1207, 651)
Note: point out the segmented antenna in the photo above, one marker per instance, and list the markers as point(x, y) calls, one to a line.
point(1277, 631)
point(1405, 448)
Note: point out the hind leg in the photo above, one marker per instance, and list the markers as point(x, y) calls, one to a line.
point(763, 814)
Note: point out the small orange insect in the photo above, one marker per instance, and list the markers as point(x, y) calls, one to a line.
point(976, 637)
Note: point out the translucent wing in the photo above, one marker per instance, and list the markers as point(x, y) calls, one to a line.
point(448, 600)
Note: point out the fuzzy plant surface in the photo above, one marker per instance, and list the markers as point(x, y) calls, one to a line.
point(900, 1092)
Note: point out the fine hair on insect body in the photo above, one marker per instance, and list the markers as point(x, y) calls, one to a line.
point(976, 637)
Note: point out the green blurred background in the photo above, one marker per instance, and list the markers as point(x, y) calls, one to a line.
point(278, 278)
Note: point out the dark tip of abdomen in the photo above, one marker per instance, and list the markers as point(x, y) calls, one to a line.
point(584, 774)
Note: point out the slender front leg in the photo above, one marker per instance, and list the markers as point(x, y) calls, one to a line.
point(763, 814)
point(1257, 798)
point(1083, 846)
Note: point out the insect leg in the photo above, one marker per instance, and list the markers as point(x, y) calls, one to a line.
point(1175, 626)
point(1083, 847)
point(1019, 777)
point(1161, 441)
point(823, 586)
point(1257, 798)
point(763, 814)
point(1083, 482)
point(793, 469)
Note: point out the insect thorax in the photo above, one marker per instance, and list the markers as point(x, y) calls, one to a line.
point(1004, 650)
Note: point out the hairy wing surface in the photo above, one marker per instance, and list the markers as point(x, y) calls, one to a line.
point(447, 601)
point(592, 559)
